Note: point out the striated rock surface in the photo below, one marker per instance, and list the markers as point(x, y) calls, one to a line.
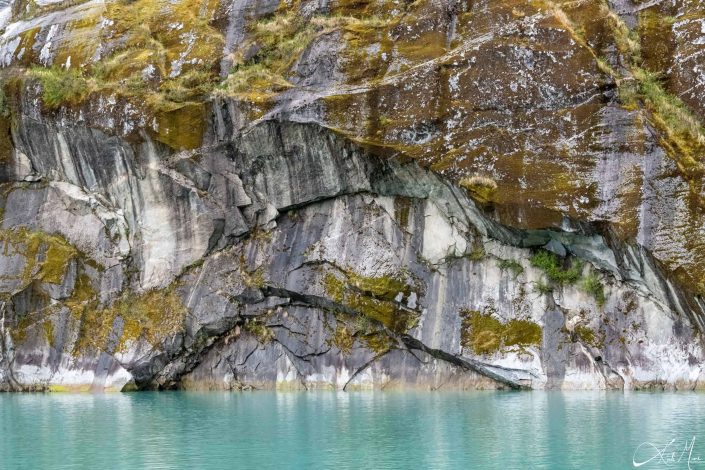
point(238, 194)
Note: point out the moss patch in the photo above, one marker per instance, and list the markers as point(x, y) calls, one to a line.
point(485, 334)
point(153, 316)
point(587, 336)
point(182, 126)
point(372, 297)
point(511, 265)
point(257, 328)
point(343, 339)
point(47, 256)
point(61, 87)
point(592, 285)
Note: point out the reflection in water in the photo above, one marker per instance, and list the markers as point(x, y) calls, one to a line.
point(346, 430)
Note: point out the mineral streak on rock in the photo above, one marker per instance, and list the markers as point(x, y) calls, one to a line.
point(441, 194)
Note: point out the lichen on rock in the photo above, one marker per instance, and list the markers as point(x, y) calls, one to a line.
point(247, 194)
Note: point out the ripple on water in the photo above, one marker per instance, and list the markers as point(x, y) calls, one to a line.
point(596, 430)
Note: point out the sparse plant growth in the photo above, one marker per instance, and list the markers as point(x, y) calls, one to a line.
point(556, 271)
point(47, 256)
point(5, 110)
point(343, 339)
point(482, 187)
point(592, 285)
point(587, 336)
point(279, 40)
point(259, 330)
point(683, 133)
point(477, 253)
point(153, 316)
point(542, 288)
point(511, 265)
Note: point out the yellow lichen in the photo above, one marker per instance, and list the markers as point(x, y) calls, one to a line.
point(46, 256)
point(153, 316)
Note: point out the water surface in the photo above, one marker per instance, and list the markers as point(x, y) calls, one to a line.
point(375, 430)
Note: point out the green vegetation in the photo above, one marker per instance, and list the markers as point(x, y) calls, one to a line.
point(379, 341)
point(477, 253)
point(586, 335)
point(683, 135)
point(259, 330)
point(511, 265)
point(372, 297)
point(47, 256)
point(343, 339)
point(164, 59)
point(280, 40)
point(560, 274)
point(485, 334)
point(5, 110)
point(556, 272)
point(482, 187)
point(592, 285)
point(640, 84)
point(153, 315)
point(542, 288)
point(60, 86)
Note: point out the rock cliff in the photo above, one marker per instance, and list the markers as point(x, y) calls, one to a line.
point(238, 194)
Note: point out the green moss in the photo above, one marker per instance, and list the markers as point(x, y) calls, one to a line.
point(477, 253)
point(153, 315)
point(484, 334)
point(511, 265)
point(48, 326)
point(481, 333)
point(522, 333)
point(592, 285)
point(372, 297)
point(18, 332)
point(556, 272)
point(343, 339)
point(58, 255)
point(259, 330)
point(181, 126)
point(542, 288)
point(384, 287)
point(379, 342)
point(586, 335)
point(47, 256)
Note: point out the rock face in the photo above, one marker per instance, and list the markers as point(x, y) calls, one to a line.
point(245, 194)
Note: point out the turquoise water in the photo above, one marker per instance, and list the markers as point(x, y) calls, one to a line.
point(482, 430)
